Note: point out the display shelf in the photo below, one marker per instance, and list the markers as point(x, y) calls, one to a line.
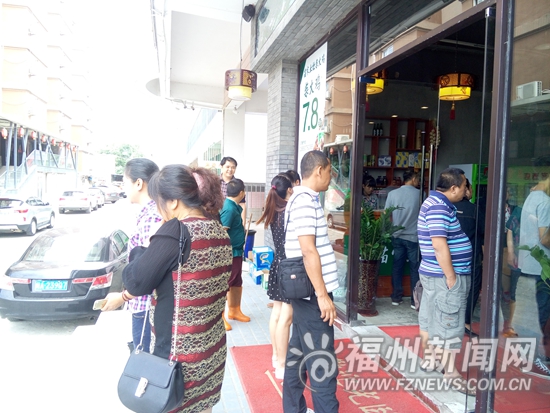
point(406, 137)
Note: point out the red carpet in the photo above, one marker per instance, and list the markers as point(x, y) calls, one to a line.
point(264, 392)
point(537, 399)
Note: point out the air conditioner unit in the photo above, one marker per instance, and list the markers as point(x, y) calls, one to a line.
point(340, 138)
point(328, 95)
point(529, 90)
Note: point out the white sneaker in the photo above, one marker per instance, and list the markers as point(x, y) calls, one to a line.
point(309, 410)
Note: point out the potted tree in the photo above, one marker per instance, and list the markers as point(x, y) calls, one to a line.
point(375, 235)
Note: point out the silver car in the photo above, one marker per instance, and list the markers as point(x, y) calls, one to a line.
point(27, 216)
point(77, 201)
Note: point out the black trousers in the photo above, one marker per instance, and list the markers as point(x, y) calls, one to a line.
point(310, 354)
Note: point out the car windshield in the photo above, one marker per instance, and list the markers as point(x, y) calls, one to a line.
point(66, 248)
point(10, 203)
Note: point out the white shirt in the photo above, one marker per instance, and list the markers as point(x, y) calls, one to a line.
point(304, 216)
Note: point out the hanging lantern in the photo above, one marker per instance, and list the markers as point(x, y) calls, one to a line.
point(374, 86)
point(331, 151)
point(74, 148)
point(33, 135)
point(44, 138)
point(240, 83)
point(52, 141)
point(455, 86)
point(21, 132)
point(68, 145)
point(345, 148)
point(4, 133)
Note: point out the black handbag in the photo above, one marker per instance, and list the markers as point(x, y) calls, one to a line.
point(294, 282)
point(152, 384)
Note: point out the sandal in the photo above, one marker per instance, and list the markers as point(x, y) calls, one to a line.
point(509, 332)
point(460, 385)
point(425, 366)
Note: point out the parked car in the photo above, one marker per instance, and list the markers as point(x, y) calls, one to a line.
point(27, 216)
point(335, 217)
point(77, 201)
point(98, 193)
point(112, 194)
point(62, 273)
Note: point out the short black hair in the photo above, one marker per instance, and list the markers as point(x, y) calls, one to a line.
point(234, 187)
point(312, 160)
point(228, 158)
point(409, 175)
point(293, 175)
point(369, 181)
point(449, 177)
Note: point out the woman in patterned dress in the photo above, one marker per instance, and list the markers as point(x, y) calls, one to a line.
point(369, 198)
point(194, 198)
point(281, 315)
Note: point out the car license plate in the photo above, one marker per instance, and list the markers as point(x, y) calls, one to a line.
point(49, 285)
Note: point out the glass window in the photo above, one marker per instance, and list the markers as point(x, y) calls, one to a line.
point(269, 16)
point(525, 298)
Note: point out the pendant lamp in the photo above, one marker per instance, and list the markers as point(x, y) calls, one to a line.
point(240, 83)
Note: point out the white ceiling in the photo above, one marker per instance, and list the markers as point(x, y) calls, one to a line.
point(203, 44)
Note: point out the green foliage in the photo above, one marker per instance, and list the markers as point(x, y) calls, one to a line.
point(375, 233)
point(538, 254)
point(123, 154)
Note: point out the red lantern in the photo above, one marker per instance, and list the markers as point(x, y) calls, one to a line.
point(345, 148)
point(52, 141)
point(4, 133)
point(33, 135)
point(331, 151)
point(44, 138)
point(68, 145)
point(21, 132)
point(60, 144)
point(74, 148)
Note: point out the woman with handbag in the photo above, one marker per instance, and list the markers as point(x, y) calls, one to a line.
point(187, 304)
point(281, 315)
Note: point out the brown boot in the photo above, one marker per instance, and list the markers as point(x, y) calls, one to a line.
point(226, 324)
point(234, 303)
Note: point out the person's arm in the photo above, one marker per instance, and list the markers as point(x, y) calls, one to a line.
point(312, 263)
point(512, 258)
point(544, 235)
point(243, 214)
point(443, 256)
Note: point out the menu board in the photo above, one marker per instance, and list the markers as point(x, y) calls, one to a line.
point(313, 79)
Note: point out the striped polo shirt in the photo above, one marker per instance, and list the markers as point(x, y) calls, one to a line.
point(305, 216)
point(437, 218)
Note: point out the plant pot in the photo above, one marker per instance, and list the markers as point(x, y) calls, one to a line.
point(368, 283)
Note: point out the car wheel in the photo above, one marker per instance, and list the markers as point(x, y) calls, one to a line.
point(89, 209)
point(52, 221)
point(330, 222)
point(95, 208)
point(112, 202)
point(61, 211)
point(31, 230)
point(13, 320)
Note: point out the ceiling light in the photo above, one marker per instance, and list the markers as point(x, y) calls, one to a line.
point(423, 107)
point(240, 83)
point(455, 86)
point(393, 116)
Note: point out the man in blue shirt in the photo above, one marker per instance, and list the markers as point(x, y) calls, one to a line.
point(445, 273)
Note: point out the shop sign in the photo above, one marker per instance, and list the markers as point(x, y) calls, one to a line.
point(313, 80)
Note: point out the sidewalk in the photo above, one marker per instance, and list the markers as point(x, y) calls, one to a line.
point(104, 344)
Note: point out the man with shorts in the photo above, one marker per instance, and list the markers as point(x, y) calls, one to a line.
point(445, 274)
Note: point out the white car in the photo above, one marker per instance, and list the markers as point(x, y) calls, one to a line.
point(99, 195)
point(27, 216)
point(77, 200)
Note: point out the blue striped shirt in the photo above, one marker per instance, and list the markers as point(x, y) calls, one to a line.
point(437, 218)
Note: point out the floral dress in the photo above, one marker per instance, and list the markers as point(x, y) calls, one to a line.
point(278, 233)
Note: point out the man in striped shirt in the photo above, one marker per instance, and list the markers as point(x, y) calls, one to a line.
point(445, 273)
point(312, 331)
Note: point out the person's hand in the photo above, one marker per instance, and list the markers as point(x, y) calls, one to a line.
point(450, 281)
point(114, 301)
point(328, 310)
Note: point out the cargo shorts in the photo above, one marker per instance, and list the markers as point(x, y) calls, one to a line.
point(442, 310)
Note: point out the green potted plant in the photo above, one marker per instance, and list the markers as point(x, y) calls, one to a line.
point(538, 254)
point(375, 235)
